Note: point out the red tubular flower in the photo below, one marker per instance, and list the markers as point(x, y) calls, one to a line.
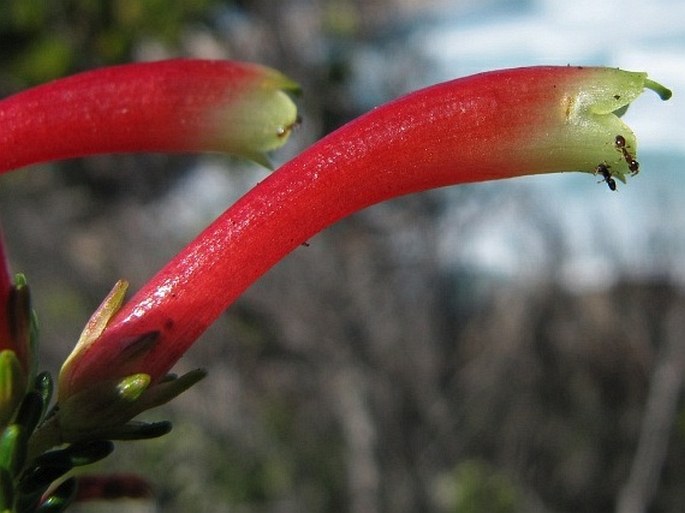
point(488, 126)
point(16, 340)
point(167, 106)
point(15, 316)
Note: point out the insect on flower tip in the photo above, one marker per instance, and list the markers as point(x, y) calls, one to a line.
point(603, 170)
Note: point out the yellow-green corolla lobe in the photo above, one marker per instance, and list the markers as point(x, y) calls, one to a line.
point(590, 134)
point(258, 120)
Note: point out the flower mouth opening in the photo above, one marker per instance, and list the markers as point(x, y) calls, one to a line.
point(607, 142)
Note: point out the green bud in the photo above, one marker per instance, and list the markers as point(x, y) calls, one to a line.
point(132, 387)
point(12, 385)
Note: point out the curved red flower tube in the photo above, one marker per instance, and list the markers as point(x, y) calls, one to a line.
point(488, 126)
point(177, 105)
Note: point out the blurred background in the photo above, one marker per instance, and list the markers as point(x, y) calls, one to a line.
point(500, 347)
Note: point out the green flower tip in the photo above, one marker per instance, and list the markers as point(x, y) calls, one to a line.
point(663, 92)
point(595, 139)
point(259, 121)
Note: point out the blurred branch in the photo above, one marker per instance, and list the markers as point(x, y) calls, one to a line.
point(658, 419)
point(361, 436)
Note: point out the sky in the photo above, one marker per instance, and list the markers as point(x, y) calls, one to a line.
point(637, 231)
point(598, 236)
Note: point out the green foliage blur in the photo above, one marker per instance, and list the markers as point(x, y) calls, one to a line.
point(40, 40)
point(479, 488)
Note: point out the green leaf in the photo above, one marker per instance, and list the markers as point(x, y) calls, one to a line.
point(30, 411)
point(13, 448)
point(85, 453)
point(6, 490)
point(44, 386)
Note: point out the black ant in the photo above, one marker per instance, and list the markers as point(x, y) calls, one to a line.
point(603, 170)
point(633, 164)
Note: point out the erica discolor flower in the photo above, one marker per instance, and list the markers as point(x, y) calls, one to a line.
point(489, 126)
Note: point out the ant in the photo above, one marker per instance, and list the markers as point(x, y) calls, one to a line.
point(633, 164)
point(603, 170)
